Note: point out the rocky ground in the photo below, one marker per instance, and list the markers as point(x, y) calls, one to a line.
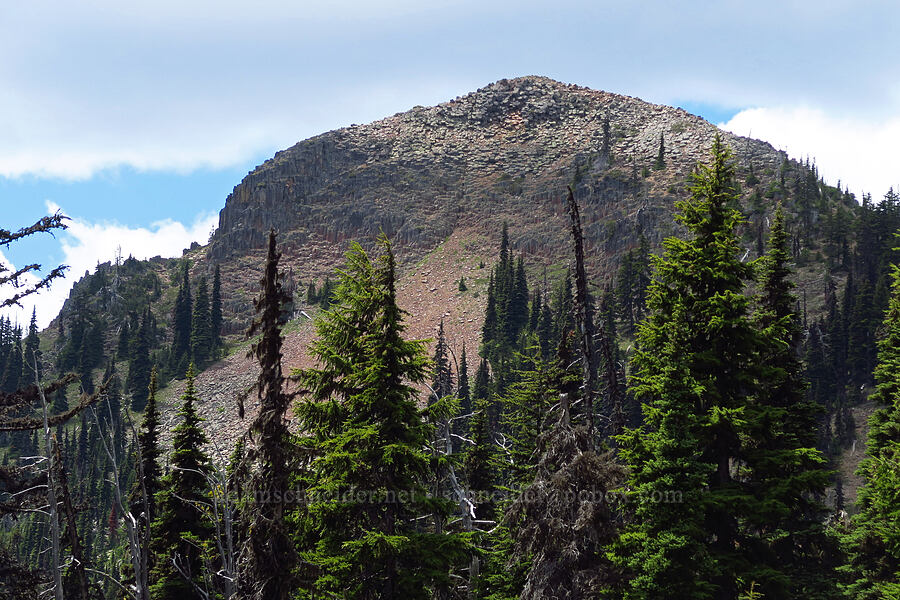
point(428, 291)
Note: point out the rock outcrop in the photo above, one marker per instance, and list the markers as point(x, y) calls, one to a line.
point(504, 152)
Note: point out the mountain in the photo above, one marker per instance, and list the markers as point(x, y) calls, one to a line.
point(504, 152)
point(442, 180)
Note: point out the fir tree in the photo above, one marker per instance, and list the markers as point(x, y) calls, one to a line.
point(268, 557)
point(180, 528)
point(215, 309)
point(139, 366)
point(489, 328)
point(201, 326)
point(33, 346)
point(442, 381)
point(563, 534)
point(148, 439)
point(517, 303)
point(660, 163)
point(15, 364)
point(784, 471)
point(362, 421)
point(181, 324)
point(874, 541)
point(690, 370)
point(462, 389)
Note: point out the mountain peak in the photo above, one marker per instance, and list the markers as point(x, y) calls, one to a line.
point(496, 153)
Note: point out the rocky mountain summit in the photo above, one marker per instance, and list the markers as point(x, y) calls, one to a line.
point(503, 152)
point(442, 180)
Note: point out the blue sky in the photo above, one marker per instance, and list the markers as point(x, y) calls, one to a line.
point(137, 119)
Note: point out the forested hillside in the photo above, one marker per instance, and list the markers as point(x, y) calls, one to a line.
point(647, 387)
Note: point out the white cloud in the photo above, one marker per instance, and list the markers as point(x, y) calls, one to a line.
point(85, 244)
point(181, 85)
point(860, 153)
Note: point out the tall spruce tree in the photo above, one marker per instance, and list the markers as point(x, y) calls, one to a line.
point(148, 478)
point(362, 421)
point(268, 557)
point(139, 365)
point(148, 440)
point(784, 471)
point(874, 541)
point(462, 389)
point(690, 371)
point(33, 347)
point(442, 380)
point(215, 309)
point(201, 326)
point(181, 325)
point(180, 529)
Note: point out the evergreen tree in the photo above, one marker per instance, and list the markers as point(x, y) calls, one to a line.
point(478, 461)
point(325, 293)
point(268, 557)
point(874, 541)
point(148, 439)
point(149, 478)
point(15, 364)
point(85, 366)
point(462, 389)
point(489, 328)
point(517, 303)
point(201, 326)
point(215, 310)
point(563, 534)
point(181, 325)
point(442, 381)
point(362, 421)
point(690, 370)
point(525, 407)
point(139, 366)
point(33, 346)
point(180, 528)
point(784, 471)
point(660, 163)
point(534, 313)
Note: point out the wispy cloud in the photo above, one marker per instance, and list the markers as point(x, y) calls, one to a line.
point(180, 85)
point(860, 153)
point(85, 244)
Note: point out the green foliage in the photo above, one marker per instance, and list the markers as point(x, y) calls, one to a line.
point(139, 366)
point(181, 326)
point(202, 338)
point(783, 470)
point(370, 471)
point(442, 379)
point(660, 163)
point(874, 541)
point(691, 370)
point(215, 309)
point(179, 529)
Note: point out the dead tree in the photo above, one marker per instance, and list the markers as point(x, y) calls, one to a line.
point(52, 505)
point(584, 317)
point(23, 488)
point(132, 527)
point(565, 518)
point(79, 566)
point(268, 558)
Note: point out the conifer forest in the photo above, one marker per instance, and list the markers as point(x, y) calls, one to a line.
point(675, 383)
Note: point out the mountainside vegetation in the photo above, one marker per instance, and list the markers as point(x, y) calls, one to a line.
point(645, 388)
